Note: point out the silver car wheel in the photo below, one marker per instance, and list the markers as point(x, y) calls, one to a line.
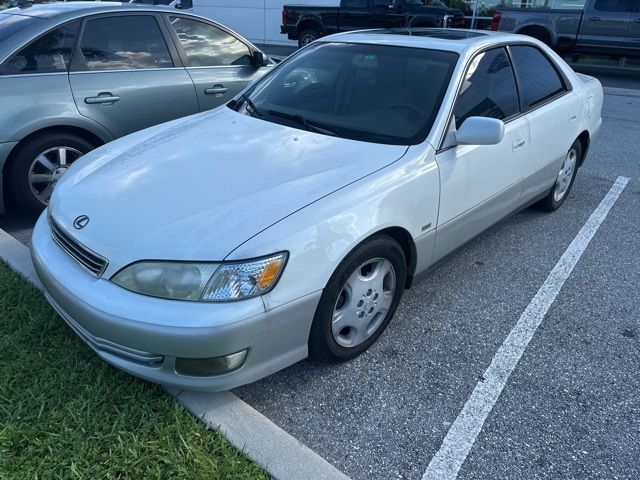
point(47, 168)
point(363, 302)
point(563, 181)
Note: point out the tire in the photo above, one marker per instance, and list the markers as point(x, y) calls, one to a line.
point(564, 180)
point(33, 196)
point(307, 36)
point(370, 306)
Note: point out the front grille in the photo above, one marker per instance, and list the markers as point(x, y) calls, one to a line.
point(90, 261)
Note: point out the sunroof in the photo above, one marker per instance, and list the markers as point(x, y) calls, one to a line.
point(442, 33)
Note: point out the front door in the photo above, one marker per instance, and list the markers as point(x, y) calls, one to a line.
point(480, 183)
point(605, 25)
point(123, 74)
point(219, 63)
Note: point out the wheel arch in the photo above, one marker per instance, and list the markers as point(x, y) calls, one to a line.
point(405, 240)
point(585, 141)
point(537, 27)
point(309, 23)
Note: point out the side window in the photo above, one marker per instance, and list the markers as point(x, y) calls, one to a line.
point(49, 53)
point(489, 88)
point(538, 78)
point(209, 46)
point(614, 5)
point(355, 3)
point(124, 43)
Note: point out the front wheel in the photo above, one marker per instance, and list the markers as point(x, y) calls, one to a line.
point(359, 300)
point(564, 180)
point(307, 36)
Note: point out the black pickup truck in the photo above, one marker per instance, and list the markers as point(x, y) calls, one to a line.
point(306, 23)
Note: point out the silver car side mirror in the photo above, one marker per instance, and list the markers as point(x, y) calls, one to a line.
point(480, 131)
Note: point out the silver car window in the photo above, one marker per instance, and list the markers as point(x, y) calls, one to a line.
point(124, 43)
point(209, 46)
point(49, 53)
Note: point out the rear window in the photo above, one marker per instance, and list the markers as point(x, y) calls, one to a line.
point(11, 24)
point(373, 93)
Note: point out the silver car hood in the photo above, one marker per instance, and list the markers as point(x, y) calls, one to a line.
point(196, 188)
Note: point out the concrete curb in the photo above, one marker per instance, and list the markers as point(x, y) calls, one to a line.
point(280, 454)
point(624, 92)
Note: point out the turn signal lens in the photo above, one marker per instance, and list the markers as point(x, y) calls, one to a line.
point(270, 273)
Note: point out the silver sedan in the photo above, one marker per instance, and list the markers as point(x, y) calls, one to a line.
point(209, 252)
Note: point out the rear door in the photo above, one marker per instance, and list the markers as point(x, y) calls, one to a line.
point(218, 62)
point(385, 15)
point(605, 25)
point(633, 35)
point(354, 15)
point(126, 76)
point(552, 111)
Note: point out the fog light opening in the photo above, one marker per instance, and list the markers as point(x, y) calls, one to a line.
point(206, 367)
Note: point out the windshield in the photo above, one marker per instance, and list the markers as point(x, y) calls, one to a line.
point(10, 24)
point(374, 93)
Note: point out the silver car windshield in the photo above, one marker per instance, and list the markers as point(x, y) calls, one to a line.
point(374, 93)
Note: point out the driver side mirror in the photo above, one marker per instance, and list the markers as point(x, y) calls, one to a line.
point(480, 131)
point(259, 59)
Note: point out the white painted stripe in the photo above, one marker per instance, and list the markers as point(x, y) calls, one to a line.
point(456, 445)
point(279, 453)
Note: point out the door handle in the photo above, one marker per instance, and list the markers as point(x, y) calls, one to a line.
point(636, 20)
point(517, 144)
point(217, 90)
point(573, 117)
point(102, 98)
point(594, 19)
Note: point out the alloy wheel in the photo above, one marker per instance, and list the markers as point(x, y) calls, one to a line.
point(563, 181)
point(47, 168)
point(364, 302)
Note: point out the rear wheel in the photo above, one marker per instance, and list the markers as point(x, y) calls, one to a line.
point(307, 36)
point(359, 300)
point(564, 180)
point(538, 33)
point(40, 163)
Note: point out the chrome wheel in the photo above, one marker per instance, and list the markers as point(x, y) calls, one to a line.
point(47, 168)
point(364, 302)
point(563, 181)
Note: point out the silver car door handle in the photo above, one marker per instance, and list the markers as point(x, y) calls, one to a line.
point(594, 19)
point(573, 117)
point(102, 99)
point(216, 90)
point(518, 143)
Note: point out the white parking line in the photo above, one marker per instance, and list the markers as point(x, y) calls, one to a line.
point(456, 445)
point(279, 453)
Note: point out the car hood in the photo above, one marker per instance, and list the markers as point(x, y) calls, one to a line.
point(196, 188)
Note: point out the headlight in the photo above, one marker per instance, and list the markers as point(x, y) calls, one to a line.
point(213, 282)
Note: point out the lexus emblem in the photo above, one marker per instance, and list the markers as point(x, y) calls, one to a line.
point(81, 222)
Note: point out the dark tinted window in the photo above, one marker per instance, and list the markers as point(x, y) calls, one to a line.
point(489, 88)
point(373, 93)
point(49, 53)
point(614, 5)
point(208, 46)
point(355, 3)
point(537, 77)
point(124, 42)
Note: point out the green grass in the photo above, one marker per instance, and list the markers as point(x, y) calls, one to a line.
point(66, 414)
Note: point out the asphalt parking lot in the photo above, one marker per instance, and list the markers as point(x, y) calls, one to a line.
point(570, 409)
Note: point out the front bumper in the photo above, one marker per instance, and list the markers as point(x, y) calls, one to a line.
point(143, 336)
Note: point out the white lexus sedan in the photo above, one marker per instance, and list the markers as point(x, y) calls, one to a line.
point(211, 251)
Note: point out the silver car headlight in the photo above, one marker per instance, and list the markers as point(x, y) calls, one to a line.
point(212, 282)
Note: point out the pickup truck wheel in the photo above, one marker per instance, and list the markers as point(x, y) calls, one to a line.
point(307, 36)
point(539, 33)
point(359, 300)
point(564, 180)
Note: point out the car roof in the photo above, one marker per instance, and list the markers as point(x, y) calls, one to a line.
point(51, 10)
point(448, 39)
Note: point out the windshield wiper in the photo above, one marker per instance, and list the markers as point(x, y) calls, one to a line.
point(308, 124)
point(252, 106)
